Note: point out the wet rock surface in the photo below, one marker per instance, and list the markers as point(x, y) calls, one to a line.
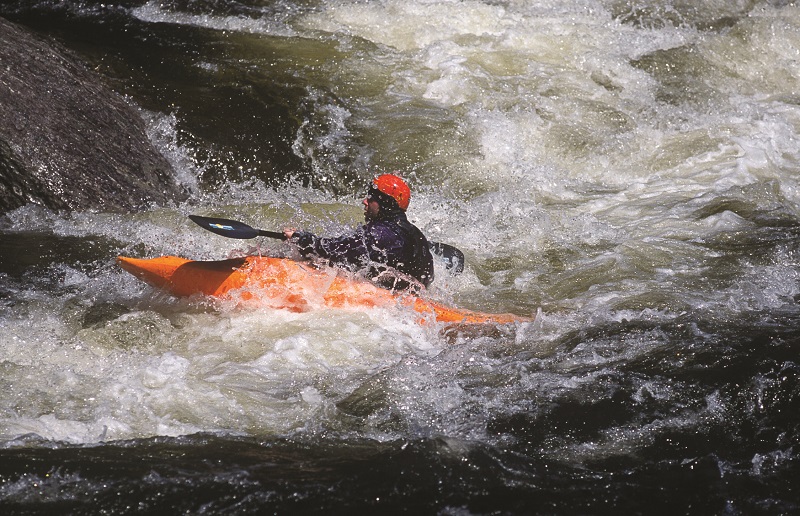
point(66, 140)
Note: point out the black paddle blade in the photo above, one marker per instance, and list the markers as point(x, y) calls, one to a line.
point(233, 228)
point(225, 227)
point(453, 257)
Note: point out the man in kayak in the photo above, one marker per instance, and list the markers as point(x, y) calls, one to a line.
point(388, 249)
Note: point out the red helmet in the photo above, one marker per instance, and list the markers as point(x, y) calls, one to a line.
point(395, 188)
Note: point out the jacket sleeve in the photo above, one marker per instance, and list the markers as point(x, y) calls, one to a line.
point(347, 250)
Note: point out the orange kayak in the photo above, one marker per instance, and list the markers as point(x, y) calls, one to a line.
point(288, 284)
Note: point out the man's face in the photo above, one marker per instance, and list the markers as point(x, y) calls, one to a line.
point(371, 208)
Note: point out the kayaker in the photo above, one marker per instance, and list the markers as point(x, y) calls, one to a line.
point(388, 249)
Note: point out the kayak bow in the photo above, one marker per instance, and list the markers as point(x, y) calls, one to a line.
point(287, 284)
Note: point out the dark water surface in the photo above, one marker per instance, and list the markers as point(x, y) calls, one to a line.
point(211, 475)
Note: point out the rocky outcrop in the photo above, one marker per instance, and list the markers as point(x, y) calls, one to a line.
point(66, 140)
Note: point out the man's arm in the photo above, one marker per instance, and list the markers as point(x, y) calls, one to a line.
point(348, 250)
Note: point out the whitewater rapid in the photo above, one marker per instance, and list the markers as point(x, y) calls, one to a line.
point(592, 161)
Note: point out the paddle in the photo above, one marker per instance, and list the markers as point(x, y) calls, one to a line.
point(453, 257)
point(233, 228)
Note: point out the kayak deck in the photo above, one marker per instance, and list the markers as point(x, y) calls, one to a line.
point(287, 284)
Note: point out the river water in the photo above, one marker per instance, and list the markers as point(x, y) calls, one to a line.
point(625, 171)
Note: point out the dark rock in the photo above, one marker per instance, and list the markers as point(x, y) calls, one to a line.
point(66, 140)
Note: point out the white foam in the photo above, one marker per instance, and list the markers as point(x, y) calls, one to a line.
point(271, 23)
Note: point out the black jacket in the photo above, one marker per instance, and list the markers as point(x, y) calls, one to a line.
point(386, 250)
